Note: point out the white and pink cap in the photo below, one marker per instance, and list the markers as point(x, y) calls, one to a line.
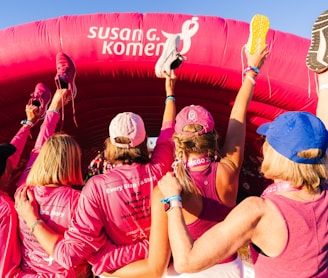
point(129, 125)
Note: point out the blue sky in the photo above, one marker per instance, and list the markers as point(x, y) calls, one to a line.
point(292, 16)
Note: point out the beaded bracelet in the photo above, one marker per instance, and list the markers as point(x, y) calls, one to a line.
point(255, 69)
point(171, 198)
point(169, 98)
point(37, 222)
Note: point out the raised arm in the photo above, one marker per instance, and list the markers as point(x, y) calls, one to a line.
point(170, 107)
point(233, 150)
point(47, 129)
point(237, 122)
point(20, 138)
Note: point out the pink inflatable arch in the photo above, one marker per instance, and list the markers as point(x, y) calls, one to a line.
point(115, 55)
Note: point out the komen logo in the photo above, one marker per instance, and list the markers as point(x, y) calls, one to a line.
point(189, 29)
point(137, 42)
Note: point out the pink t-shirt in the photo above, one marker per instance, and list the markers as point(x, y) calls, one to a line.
point(306, 251)
point(10, 257)
point(10, 245)
point(57, 205)
point(19, 141)
point(114, 208)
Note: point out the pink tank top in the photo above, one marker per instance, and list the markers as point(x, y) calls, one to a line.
point(213, 210)
point(306, 250)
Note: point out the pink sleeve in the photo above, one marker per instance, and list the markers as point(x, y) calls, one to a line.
point(168, 124)
point(164, 150)
point(19, 141)
point(85, 234)
point(112, 257)
point(47, 129)
point(10, 245)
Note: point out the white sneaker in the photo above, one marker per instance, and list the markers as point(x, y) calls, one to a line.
point(170, 58)
point(317, 56)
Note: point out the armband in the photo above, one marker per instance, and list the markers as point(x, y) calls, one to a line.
point(169, 98)
point(26, 122)
point(171, 202)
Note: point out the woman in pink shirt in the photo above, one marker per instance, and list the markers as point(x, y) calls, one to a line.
point(9, 245)
point(53, 169)
point(114, 208)
point(9, 158)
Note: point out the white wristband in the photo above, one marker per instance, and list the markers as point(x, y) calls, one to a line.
point(324, 86)
point(172, 204)
point(250, 78)
point(54, 110)
point(26, 122)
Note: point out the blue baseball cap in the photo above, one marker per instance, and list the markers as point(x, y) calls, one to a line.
point(293, 132)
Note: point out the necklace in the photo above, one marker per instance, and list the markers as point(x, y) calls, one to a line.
point(198, 161)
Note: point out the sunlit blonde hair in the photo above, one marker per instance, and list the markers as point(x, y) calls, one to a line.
point(206, 144)
point(139, 154)
point(59, 162)
point(276, 166)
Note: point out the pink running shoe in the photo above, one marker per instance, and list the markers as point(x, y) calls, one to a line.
point(66, 71)
point(41, 98)
point(65, 77)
